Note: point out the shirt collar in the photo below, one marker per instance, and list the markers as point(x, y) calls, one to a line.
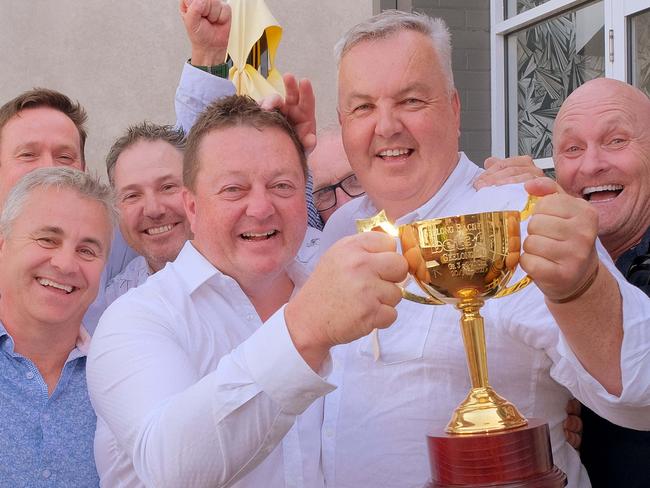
point(80, 350)
point(197, 270)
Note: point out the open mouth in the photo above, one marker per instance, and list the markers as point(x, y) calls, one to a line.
point(259, 236)
point(602, 193)
point(46, 282)
point(395, 154)
point(154, 231)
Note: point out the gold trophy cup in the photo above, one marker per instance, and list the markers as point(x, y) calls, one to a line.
point(464, 260)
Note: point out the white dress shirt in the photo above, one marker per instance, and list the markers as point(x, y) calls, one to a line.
point(191, 389)
point(375, 423)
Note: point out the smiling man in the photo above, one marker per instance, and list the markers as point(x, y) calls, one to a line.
point(400, 131)
point(56, 229)
point(200, 375)
point(145, 167)
point(39, 128)
point(601, 152)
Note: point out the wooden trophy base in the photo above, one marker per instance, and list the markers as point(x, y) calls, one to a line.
point(516, 458)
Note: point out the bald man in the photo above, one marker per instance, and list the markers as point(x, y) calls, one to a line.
point(601, 150)
point(334, 180)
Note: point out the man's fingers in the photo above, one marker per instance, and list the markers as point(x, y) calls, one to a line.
point(272, 102)
point(540, 187)
point(384, 316)
point(308, 142)
point(375, 241)
point(291, 89)
point(389, 266)
point(196, 9)
point(217, 12)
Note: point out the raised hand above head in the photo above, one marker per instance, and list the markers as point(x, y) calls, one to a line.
point(207, 23)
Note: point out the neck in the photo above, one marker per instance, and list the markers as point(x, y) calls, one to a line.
point(616, 247)
point(46, 345)
point(268, 296)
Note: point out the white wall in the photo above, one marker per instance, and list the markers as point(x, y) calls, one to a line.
point(122, 59)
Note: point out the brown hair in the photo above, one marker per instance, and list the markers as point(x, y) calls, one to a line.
point(146, 131)
point(43, 97)
point(233, 111)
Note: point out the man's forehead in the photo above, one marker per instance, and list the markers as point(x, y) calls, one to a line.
point(34, 124)
point(146, 161)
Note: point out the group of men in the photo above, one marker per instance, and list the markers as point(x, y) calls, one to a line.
point(242, 357)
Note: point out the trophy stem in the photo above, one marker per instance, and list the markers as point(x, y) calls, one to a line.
point(473, 330)
point(483, 410)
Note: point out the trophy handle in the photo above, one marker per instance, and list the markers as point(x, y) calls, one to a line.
point(528, 208)
point(381, 223)
point(526, 280)
point(413, 297)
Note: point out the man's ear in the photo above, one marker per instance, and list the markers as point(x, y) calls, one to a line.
point(189, 203)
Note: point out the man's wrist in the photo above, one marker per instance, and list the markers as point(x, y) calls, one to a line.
point(220, 70)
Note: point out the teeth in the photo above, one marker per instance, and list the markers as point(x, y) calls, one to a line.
point(393, 152)
point(54, 284)
point(593, 189)
point(253, 235)
point(159, 230)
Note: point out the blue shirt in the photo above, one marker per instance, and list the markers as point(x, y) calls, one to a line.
point(44, 441)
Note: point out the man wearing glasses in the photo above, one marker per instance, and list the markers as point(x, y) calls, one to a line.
point(334, 181)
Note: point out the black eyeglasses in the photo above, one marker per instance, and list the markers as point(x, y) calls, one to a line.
point(325, 198)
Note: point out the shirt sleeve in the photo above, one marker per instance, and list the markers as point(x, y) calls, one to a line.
point(196, 90)
point(632, 408)
point(181, 429)
point(529, 320)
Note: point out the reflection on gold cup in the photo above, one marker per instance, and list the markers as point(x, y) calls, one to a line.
point(464, 260)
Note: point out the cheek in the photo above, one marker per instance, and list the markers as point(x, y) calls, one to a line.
point(129, 218)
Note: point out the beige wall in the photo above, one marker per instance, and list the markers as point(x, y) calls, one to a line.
point(122, 59)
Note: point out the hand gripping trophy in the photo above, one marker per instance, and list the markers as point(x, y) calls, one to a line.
point(465, 260)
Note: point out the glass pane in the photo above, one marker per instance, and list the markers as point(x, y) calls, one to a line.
point(514, 7)
point(546, 62)
point(640, 51)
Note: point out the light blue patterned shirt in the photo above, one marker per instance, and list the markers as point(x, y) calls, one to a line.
point(44, 441)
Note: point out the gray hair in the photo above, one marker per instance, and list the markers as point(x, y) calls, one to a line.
point(391, 22)
point(60, 178)
point(146, 131)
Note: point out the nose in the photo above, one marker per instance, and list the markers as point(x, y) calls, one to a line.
point(259, 205)
point(341, 198)
point(46, 160)
point(64, 260)
point(388, 122)
point(153, 207)
point(593, 161)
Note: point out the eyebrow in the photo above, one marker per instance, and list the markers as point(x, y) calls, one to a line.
point(416, 86)
point(35, 144)
point(158, 180)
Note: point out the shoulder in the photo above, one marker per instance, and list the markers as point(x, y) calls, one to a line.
point(135, 274)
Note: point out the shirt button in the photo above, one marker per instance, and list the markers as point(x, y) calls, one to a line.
point(46, 417)
point(250, 316)
point(329, 432)
point(29, 375)
point(46, 473)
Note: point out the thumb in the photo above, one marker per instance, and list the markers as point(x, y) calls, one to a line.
point(543, 186)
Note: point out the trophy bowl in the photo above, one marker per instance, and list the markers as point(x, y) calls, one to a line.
point(464, 260)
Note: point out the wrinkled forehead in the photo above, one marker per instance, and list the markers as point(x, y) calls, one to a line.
point(586, 115)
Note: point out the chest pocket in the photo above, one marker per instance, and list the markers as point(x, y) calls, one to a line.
point(404, 340)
